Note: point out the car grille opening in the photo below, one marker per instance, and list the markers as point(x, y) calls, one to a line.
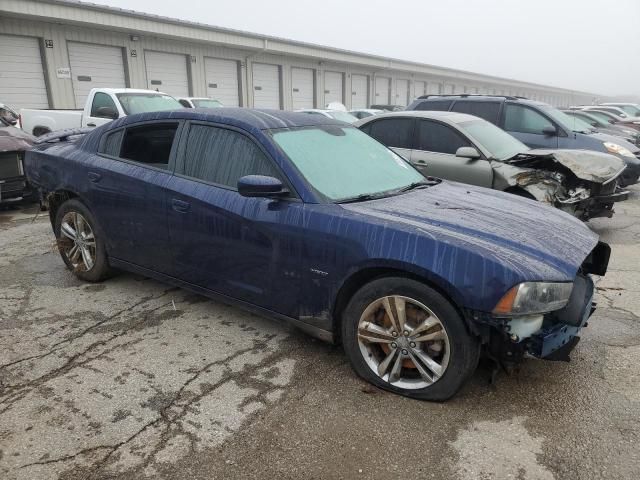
point(11, 165)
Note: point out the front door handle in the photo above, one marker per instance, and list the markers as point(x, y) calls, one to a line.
point(180, 206)
point(91, 124)
point(94, 177)
point(422, 163)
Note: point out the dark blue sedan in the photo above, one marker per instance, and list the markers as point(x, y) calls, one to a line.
point(311, 221)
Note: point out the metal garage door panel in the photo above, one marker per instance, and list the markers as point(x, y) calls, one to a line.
point(359, 91)
point(167, 72)
point(22, 82)
point(420, 88)
point(222, 81)
point(266, 86)
point(302, 91)
point(333, 87)
point(383, 91)
point(433, 88)
point(94, 66)
point(402, 92)
point(449, 88)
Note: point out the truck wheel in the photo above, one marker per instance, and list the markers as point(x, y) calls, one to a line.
point(80, 242)
point(405, 337)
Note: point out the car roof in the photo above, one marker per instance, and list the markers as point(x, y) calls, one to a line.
point(481, 98)
point(246, 118)
point(449, 117)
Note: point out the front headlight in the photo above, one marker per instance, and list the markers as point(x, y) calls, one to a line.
point(534, 297)
point(618, 149)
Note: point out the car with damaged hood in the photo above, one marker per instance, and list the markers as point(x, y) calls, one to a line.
point(537, 125)
point(14, 187)
point(310, 221)
point(468, 149)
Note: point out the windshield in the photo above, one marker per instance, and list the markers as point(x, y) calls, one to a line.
point(588, 118)
point(206, 103)
point(565, 120)
point(579, 125)
point(630, 109)
point(601, 116)
point(133, 103)
point(343, 163)
point(500, 144)
point(343, 116)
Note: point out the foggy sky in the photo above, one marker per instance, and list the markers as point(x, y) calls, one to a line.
point(588, 45)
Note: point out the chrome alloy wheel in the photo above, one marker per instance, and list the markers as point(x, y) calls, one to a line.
point(77, 241)
point(403, 342)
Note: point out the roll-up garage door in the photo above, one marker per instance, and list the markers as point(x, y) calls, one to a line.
point(22, 82)
point(359, 91)
point(433, 88)
point(222, 81)
point(167, 72)
point(302, 91)
point(420, 88)
point(333, 87)
point(449, 88)
point(383, 91)
point(402, 92)
point(94, 66)
point(266, 86)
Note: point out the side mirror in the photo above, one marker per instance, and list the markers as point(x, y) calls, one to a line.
point(468, 152)
point(261, 186)
point(107, 112)
point(550, 131)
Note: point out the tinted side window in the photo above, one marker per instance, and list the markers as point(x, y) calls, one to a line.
point(393, 132)
point(102, 100)
point(524, 120)
point(487, 110)
point(111, 143)
point(436, 137)
point(434, 105)
point(222, 156)
point(149, 144)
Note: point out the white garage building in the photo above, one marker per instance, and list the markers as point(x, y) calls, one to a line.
point(52, 52)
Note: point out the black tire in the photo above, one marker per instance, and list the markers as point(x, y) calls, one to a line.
point(464, 348)
point(100, 269)
point(39, 131)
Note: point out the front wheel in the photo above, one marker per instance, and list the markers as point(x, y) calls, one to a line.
point(403, 336)
point(80, 243)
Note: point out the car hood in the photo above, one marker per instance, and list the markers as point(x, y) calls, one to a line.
point(523, 235)
point(585, 164)
point(603, 137)
point(13, 139)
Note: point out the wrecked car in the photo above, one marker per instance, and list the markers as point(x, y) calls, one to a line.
point(468, 149)
point(13, 182)
point(310, 221)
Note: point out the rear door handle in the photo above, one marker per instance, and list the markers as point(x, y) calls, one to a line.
point(91, 124)
point(180, 206)
point(94, 177)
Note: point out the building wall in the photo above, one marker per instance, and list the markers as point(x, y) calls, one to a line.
point(246, 52)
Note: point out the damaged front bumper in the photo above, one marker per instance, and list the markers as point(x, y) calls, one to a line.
point(593, 206)
point(550, 336)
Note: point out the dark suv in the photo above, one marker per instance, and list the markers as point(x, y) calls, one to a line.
point(536, 124)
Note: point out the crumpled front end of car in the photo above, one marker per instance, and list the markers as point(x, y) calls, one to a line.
point(581, 198)
point(512, 335)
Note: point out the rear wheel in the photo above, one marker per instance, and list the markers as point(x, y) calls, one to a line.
point(80, 242)
point(405, 337)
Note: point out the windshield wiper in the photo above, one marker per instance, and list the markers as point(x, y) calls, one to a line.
point(362, 198)
point(415, 185)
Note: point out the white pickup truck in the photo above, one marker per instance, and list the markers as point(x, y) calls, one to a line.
point(103, 105)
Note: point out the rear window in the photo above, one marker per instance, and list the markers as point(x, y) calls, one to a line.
point(485, 110)
point(392, 132)
point(434, 105)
